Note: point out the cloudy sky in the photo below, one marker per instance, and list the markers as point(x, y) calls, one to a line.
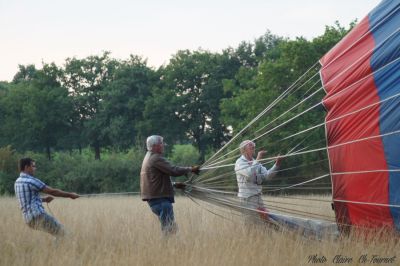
point(48, 31)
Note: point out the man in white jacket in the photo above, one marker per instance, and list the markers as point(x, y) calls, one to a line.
point(250, 174)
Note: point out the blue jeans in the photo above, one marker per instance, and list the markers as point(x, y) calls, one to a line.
point(162, 207)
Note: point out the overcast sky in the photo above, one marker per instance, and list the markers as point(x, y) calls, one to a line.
point(53, 30)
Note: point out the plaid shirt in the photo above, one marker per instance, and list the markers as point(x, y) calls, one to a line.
point(27, 190)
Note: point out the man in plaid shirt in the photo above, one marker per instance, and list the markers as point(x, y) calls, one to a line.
point(27, 189)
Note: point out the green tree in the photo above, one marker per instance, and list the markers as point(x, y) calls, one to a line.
point(160, 118)
point(8, 169)
point(123, 101)
point(36, 111)
point(3, 91)
point(196, 80)
point(279, 63)
point(25, 73)
point(332, 35)
point(86, 80)
point(244, 99)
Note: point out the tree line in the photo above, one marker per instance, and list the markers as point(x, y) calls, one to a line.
point(103, 104)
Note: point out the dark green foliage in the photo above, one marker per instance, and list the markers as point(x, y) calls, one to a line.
point(86, 80)
point(8, 169)
point(123, 102)
point(196, 81)
point(36, 111)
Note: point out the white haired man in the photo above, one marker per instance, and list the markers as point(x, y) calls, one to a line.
point(250, 174)
point(155, 182)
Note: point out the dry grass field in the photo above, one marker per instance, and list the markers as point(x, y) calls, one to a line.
point(123, 231)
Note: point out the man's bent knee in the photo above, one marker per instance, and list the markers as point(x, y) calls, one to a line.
point(47, 223)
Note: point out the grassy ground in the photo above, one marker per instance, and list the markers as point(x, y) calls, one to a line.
point(123, 231)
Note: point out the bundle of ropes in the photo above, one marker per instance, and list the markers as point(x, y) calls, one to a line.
point(292, 126)
point(305, 168)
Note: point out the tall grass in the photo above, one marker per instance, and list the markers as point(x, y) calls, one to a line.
point(123, 231)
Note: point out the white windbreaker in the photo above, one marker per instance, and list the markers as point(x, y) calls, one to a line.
point(250, 174)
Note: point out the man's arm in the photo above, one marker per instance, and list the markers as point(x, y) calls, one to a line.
point(271, 173)
point(166, 167)
point(268, 174)
point(179, 185)
point(59, 193)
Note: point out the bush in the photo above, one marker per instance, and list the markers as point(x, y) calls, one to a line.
point(8, 170)
point(8, 160)
point(81, 173)
point(116, 172)
point(184, 155)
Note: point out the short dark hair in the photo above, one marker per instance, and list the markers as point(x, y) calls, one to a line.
point(25, 162)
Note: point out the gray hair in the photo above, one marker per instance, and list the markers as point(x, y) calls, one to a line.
point(244, 144)
point(153, 140)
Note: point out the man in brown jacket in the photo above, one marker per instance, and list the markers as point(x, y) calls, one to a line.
point(155, 182)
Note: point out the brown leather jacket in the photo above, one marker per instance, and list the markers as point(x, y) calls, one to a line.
point(155, 176)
